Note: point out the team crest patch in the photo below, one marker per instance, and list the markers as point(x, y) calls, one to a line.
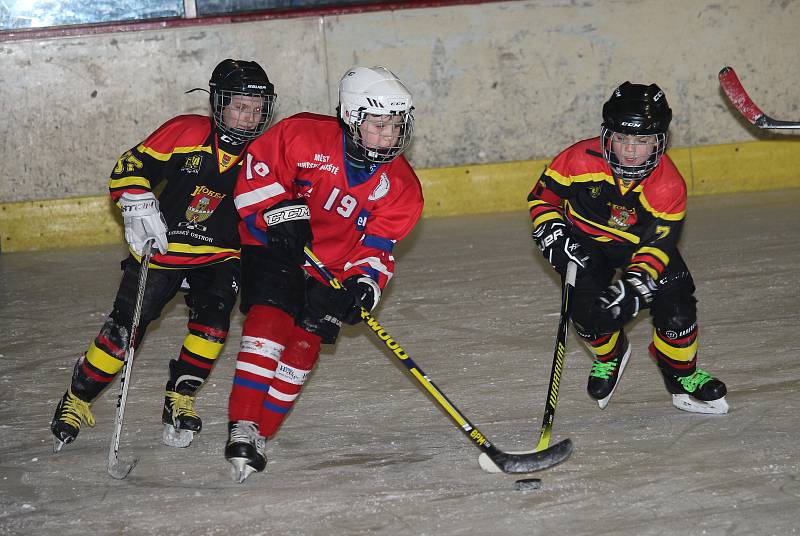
point(594, 191)
point(621, 217)
point(192, 164)
point(381, 189)
point(204, 202)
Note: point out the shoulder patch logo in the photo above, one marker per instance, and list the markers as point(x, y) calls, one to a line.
point(192, 164)
point(381, 189)
point(594, 191)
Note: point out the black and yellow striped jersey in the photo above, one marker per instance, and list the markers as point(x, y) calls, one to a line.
point(195, 176)
point(645, 217)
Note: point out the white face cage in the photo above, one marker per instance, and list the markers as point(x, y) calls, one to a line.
point(242, 116)
point(633, 172)
point(381, 138)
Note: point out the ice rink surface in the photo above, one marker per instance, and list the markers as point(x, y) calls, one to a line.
point(367, 452)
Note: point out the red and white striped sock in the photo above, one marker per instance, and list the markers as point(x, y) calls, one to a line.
point(265, 333)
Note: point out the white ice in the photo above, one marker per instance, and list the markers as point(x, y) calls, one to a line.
point(367, 452)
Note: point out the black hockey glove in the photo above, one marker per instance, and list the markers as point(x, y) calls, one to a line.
point(289, 227)
point(558, 247)
point(623, 300)
point(362, 291)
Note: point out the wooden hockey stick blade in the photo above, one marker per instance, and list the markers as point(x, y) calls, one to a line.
point(527, 461)
point(738, 96)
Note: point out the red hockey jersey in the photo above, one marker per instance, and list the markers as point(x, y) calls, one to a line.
point(355, 224)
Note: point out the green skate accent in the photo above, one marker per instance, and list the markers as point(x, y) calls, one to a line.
point(603, 370)
point(694, 381)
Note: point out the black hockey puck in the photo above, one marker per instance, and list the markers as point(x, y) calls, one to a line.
point(528, 484)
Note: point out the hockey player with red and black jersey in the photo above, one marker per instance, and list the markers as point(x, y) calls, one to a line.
point(194, 161)
point(344, 182)
point(617, 202)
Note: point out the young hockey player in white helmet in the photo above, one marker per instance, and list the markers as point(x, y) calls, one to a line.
point(193, 227)
point(342, 186)
point(617, 202)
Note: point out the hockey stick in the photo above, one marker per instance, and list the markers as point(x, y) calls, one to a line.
point(507, 462)
point(555, 374)
point(116, 467)
point(741, 101)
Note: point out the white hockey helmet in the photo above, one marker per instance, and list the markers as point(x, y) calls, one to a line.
point(366, 94)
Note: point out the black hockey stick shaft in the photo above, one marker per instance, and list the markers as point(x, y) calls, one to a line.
point(507, 462)
point(558, 357)
point(555, 373)
point(738, 96)
point(118, 468)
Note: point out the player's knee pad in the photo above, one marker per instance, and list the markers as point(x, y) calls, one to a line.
point(270, 278)
point(270, 323)
point(316, 317)
point(302, 350)
point(593, 326)
point(114, 335)
point(209, 309)
point(674, 311)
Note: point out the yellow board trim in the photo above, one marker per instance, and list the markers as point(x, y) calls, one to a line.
point(449, 191)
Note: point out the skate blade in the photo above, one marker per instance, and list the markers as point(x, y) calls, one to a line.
point(685, 402)
point(173, 437)
point(58, 445)
point(240, 470)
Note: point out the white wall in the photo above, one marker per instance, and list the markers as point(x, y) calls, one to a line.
point(492, 82)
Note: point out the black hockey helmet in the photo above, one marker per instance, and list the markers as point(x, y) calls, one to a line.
point(636, 110)
point(246, 79)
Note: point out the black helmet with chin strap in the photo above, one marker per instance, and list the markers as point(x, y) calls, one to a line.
point(636, 110)
point(247, 79)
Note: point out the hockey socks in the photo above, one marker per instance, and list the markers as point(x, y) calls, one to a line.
point(297, 362)
point(265, 333)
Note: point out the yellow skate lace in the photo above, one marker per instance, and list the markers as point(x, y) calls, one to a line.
point(182, 405)
point(74, 411)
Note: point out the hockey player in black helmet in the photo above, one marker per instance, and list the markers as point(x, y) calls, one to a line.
point(237, 88)
point(617, 203)
point(634, 130)
point(192, 225)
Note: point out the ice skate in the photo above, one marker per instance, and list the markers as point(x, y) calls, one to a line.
point(245, 450)
point(604, 377)
point(181, 421)
point(70, 413)
point(697, 393)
